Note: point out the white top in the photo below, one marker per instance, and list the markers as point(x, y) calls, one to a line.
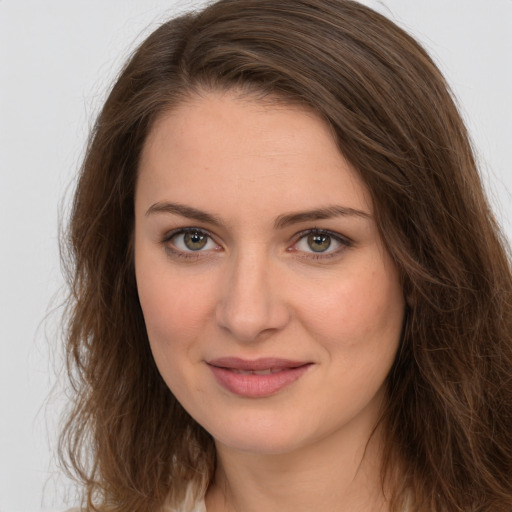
point(199, 506)
point(190, 504)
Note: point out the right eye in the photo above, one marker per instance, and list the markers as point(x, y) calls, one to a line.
point(190, 240)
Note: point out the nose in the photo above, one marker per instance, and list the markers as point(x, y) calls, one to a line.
point(251, 306)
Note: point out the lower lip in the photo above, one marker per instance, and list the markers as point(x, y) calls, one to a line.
point(257, 386)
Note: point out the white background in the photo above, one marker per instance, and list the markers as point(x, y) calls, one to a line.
point(57, 59)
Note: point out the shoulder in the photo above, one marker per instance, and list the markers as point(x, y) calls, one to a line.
point(191, 502)
point(198, 506)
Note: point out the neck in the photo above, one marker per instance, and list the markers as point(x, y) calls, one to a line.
point(339, 474)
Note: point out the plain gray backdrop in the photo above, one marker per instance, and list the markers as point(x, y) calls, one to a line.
point(57, 59)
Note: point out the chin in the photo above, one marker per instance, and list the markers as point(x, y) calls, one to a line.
point(265, 445)
point(264, 438)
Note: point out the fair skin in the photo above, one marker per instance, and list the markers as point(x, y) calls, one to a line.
point(273, 310)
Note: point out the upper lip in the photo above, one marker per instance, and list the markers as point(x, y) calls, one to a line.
point(263, 363)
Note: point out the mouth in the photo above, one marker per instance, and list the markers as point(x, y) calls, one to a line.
point(257, 378)
point(268, 371)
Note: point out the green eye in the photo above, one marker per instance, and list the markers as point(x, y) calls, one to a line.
point(195, 240)
point(190, 242)
point(318, 242)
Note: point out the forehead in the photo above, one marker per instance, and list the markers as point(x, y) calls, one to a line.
point(224, 146)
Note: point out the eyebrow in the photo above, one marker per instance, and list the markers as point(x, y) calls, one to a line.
point(184, 211)
point(318, 214)
point(281, 221)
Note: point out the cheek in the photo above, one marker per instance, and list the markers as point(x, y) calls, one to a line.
point(175, 305)
point(171, 318)
point(363, 308)
point(175, 311)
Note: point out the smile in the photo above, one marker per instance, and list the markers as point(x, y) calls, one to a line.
point(257, 372)
point(256, 379)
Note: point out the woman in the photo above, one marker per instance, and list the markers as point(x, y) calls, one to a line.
point(289, 292)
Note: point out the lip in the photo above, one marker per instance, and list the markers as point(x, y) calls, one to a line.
point(232, 374)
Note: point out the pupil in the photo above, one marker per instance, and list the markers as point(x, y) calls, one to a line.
point(319, 243)
point(195, 241)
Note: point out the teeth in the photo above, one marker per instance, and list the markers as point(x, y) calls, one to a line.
point(256, 372)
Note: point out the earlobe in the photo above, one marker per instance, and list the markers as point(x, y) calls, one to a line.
point(410, 300)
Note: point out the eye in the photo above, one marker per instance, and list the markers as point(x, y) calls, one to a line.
point(190, 240)
point(319, 242)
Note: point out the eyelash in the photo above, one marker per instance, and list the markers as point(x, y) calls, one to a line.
point(342, 240)
point(187, 255)
point(194, 255)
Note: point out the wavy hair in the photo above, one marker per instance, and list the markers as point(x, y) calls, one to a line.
point(448, 421)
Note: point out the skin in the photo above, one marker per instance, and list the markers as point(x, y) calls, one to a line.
point(258, 289)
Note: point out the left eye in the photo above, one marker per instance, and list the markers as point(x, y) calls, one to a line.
point(192, 240)
point(319, 243)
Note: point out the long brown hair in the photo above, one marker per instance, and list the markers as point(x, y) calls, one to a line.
point(448, 423)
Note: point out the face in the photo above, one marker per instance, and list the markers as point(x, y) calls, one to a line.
point(272, 308)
